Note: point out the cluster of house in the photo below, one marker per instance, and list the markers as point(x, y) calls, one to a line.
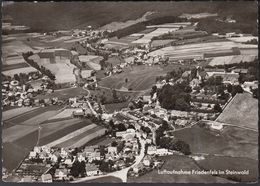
point(42, 159)
point(140, 57)
point(15, 94)
point(148, 164)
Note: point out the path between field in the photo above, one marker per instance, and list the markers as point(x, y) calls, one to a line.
point(122, 174)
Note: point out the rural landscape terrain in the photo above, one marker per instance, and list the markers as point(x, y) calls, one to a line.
point(142, 92)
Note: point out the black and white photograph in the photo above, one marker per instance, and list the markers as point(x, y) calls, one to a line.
point(130, 92)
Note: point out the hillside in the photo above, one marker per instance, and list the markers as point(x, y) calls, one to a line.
point(68, 15)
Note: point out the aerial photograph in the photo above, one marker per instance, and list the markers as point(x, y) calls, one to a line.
point(130, 92)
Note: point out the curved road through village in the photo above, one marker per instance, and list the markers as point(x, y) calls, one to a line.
point(121, 174)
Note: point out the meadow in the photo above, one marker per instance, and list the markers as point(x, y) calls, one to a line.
point(138, 79)
point(177, 162)
point(241, 111)
point(232, 141)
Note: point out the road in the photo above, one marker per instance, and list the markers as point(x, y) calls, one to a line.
point(121, 174)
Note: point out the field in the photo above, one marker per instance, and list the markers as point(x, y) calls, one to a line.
point(177, 162)
point(71, 135)
point(242, 39)
point(83, 138)
point(229, 163)
point(64, 93)
point(26, 127)
point(67, 113)
point(14, 66)
point(197, 16)
point(198, 50)
point(18, 71)
point(14, 47)
point(14, 152)
point(104, 140)
point(13, 60)
point(58, 68)
point(156, 43)
point(110, 108)
point(159, 30)
point(234, 142)
point(119, 25)
point(231, 59)
point(14, 112)
point(55, 130)
point(249, 51)
point(140, 78)
point(241, 111)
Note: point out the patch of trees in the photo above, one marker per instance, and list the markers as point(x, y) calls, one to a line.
point(234, 89)
point(251, 75)
point(106, 166)
point(146, 129)
point(160, 131)
point(242, 64)
point(214, 81)
point(181, 36)
point(255, 93)
point(175, 144)
point(210, 25)
point(175, 97)
point(78, 169)
point(252, 41)
point(217, 108)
